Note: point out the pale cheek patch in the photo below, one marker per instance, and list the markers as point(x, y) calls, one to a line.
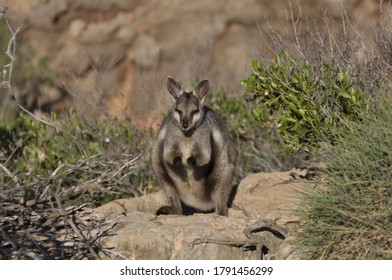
point(162, 134)
point(196, 118)
point(176, 116)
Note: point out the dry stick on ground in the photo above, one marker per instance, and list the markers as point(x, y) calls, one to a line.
point(9, 174)
point(79, 233)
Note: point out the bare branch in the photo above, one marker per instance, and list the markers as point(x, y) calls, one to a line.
point(295, 23)
point(9, 174)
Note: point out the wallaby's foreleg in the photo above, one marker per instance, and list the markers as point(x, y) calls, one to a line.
point(174, 206)
point(220, 180)
point(221, 206)
point(173, 200)
point(166, 184)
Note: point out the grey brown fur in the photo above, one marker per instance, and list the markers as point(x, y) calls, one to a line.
point(192, 156)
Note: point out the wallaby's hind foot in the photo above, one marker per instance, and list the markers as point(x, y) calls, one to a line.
point(167, 210)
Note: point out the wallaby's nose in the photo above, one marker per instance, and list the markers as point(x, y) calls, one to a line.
point(185, 124)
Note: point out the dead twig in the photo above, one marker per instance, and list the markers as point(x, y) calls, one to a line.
point(76, 230)
point(9, 174)
point(245, 244)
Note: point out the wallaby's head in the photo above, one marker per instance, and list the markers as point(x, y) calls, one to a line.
point(188, 109)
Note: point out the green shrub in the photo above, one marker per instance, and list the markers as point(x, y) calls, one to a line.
point(349, 214)
point(73, 152)
point(307, 104)
point(259, 148)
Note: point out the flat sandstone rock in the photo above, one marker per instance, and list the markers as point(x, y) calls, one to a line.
point(260, 224)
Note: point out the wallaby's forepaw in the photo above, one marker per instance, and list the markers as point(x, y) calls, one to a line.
point(177, 160)
point(191, 162)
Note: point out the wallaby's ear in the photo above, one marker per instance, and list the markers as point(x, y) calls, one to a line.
point(202, 89)
point(173, 87)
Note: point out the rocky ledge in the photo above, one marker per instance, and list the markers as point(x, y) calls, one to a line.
point(262, 223)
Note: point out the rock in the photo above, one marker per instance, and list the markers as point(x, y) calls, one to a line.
point(273, 196)
point(75, 59)
point(245, 11)
point(126, 34)
point(45, 14)
point(31, 202)
point(99, 32)
point(71, 58)
point(148, 204)
point(144, 52)
point(336, 8)
point(106, 4)
point(156, 13)
point(184, 31)
point(42, 43)
point(102, 59)
point(209, 237)
point(260, 224)
point(76, 28)
point(287, 250)
point(21, 8)
point(111, 79)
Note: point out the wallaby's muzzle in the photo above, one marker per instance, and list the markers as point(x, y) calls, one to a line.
point(185, 125)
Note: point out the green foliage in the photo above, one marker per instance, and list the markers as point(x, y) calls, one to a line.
point(259, 149)
point(348, 216)
point(307, 104)
point(73, 151)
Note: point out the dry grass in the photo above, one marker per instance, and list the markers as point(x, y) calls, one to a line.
point(350, 212)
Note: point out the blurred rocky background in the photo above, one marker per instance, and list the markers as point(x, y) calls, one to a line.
point(112, 57)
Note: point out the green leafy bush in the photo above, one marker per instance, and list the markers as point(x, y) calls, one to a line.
point(71, 151)
point(259, 148)
point(307, 104)
point(348, 216)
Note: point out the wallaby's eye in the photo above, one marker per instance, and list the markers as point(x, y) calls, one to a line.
point(178, 111)
point(195, 111)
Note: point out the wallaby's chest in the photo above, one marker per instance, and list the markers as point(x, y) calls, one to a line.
point(188, 153)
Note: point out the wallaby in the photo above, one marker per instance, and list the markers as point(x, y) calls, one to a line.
point(192, 156)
